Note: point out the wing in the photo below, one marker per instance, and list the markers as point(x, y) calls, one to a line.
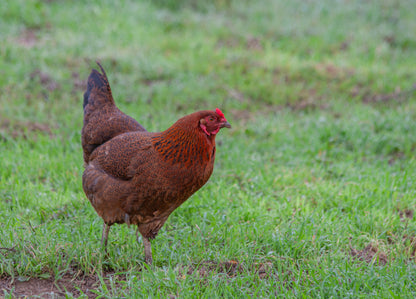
point(118, 156)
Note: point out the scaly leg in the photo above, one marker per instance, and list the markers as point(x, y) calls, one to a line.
point(147, 248)
point(104, 238)
point(147, 251)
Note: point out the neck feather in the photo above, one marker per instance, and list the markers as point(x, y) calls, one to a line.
point(186, 144)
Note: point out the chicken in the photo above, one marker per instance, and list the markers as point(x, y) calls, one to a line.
point(136, 177)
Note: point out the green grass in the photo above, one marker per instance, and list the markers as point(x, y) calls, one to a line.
point(320, 160)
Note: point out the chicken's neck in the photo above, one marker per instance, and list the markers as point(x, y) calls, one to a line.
point(189, 146)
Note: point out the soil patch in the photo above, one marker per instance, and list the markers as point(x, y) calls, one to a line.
point(79, 84)
point(254, 44)
point(407, 242)
point(45, 80)
point(48, 288)
point(333, 72)
point(410, 245)
point(230, 268)
point(397, 96)
point(21, 129)
point(370, 254)
point(406, 214)
point(396, 156)
point(76, 286)
point(251, 43)
point(27, 39)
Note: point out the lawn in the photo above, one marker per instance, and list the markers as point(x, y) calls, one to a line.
point(313, 191)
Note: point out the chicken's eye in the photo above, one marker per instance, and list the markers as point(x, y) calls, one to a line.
point(211, 118)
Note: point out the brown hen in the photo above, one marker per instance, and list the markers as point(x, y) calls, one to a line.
point(136, 177)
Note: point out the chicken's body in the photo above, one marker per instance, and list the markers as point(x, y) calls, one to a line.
point(136, 177)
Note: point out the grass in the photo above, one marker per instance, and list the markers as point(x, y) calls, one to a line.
point(313, 189)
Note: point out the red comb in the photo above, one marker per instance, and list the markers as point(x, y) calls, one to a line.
point(219, 112)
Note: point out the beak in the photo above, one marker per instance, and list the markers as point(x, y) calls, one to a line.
point(226, 125)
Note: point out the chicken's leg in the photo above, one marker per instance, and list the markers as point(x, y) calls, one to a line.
point(104, 238)
point(147, 248)
point(147, 251)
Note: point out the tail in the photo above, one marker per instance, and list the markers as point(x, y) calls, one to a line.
point(98, 89)
point(102, 119)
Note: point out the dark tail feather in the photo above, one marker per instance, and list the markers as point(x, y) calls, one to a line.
point(98, 83)
point(102, 119)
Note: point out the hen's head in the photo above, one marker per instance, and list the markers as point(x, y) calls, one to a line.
point(212, 121)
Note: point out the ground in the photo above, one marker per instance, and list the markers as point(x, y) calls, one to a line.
point(313, 190)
